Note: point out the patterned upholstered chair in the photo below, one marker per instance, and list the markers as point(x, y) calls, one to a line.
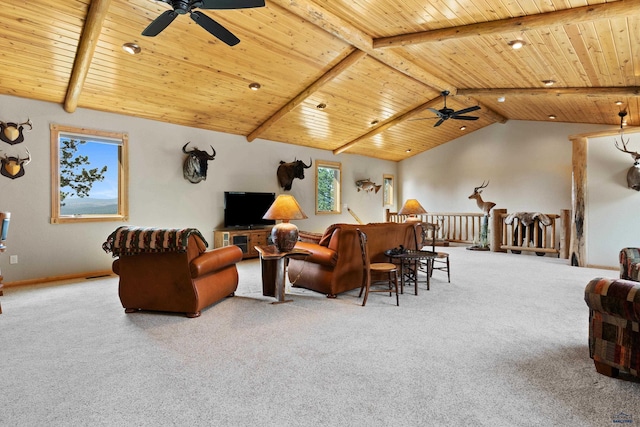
point(614, 333)
point(630, 264)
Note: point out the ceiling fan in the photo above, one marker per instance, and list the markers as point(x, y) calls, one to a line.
point(182, 7)
point(447, 113)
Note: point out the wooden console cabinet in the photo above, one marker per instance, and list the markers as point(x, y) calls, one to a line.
point(244, 239)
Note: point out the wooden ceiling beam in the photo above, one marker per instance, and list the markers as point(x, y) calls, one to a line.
point(347, 62)
point(618, 9)
point(579, 91)
point(311, 12)
point(84, 55)
point(388, 124)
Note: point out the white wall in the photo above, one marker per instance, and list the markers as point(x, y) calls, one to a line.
point(529, 165)
point(612, 208)
point(158, 194)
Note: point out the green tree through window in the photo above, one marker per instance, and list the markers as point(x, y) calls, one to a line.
point(328, 190)
point(75, 178)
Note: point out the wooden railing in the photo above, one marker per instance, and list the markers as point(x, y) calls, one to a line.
point(451, 227)
point(465, 228)
point(536, 237)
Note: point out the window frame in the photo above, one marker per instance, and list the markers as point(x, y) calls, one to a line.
point(387, 190)
point(329, 165)
point(119, 138)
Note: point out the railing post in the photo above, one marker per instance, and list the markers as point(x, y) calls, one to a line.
point(565, 232)
point(496, 230)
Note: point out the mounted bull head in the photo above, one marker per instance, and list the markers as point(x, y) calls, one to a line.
point(633, 174)
point(288, 171)
point(195, 165)
point(13, 167)
point(11, 133)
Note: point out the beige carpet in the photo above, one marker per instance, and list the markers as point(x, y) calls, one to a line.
point(505, 344)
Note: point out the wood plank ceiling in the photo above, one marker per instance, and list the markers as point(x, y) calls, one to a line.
point(375, 66)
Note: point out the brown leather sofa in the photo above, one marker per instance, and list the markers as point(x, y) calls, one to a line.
point(183, 279)
point(335, 263)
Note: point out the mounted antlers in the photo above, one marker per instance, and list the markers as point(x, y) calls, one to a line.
point(11, 133)
point(484, 206)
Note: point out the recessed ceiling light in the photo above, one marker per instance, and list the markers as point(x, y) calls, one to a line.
point(374, 122)
point(549, 82)
point(408, 150)
point(463, 127)
point(552, 116)
point(254, 86)
point(501, 99)
point(618, 102)
point(516, 44)
point(131, 48)
point(321, 106)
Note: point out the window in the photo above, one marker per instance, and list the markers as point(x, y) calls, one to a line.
point(328, 189)
point(387, 190)
point(89, 179)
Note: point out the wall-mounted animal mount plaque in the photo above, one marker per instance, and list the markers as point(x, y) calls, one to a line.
point(13, 167)
point(288, 171)
point(12, 133)
point(367, 185)
point(633, 174)
point(196, 164)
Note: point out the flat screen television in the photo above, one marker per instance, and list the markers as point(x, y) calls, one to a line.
point(246, 209)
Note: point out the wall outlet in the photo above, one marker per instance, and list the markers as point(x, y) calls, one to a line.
point(13, 259)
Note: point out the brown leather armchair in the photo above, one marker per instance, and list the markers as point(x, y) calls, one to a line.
point(171, 273)
point(335, 264)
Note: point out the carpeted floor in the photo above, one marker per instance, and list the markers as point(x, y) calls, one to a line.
point(505, 344)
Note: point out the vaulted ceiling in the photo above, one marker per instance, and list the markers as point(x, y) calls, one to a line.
point(352, 76)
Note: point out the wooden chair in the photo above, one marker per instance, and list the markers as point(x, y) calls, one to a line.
point(441, 261)
point(376, 268)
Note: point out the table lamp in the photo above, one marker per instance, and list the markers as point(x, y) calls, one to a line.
point(412, 208)
point(285, 234)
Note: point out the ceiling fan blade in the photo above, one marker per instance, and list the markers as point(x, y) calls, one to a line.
point(467, 110)
point(464, 118)
point(436, 112)
point(438, 123)
point(230, 4)
point(160, 23)
point(214, 28)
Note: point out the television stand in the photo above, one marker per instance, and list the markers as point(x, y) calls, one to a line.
point(246, 239)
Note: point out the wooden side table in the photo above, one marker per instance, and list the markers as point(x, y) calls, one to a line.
point(274, 269)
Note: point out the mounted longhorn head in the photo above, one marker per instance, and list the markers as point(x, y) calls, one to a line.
point(196, 164)
point(13, 167)
point(11, 133)
point(633, 174)
point(288, 171)
point(484, 206)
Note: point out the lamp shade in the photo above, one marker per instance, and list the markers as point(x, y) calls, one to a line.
point(285, 207)
point(412, 207)
point(285, 234)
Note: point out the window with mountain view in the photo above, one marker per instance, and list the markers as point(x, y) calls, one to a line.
point(89, 170)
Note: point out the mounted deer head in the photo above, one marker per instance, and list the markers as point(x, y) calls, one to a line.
point(633, 174)
point(484, 206)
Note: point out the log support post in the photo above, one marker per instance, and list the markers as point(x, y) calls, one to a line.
point(578, 201)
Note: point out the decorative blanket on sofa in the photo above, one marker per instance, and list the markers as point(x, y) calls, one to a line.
point(127, 240)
